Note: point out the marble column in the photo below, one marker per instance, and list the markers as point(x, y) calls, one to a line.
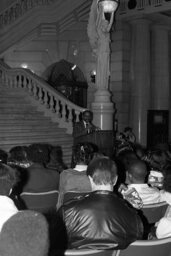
point(140, 78)
point(160, 68)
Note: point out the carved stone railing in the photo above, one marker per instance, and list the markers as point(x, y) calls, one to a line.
point(42, 95)
point(17, 9)
point(128, 7)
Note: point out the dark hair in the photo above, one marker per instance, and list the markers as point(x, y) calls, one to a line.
point(18, 153)
point(3, 156)
point(128, 129)
point(25, 234)
point(87, 111)
point(83, 153)
point(56, 159)
point(38, 153)
point(102, 170)
point(18, 157)
point(138, 169)
point(8, 178)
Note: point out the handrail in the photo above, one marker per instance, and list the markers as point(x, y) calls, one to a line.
point(17, 9)
point(46, 98)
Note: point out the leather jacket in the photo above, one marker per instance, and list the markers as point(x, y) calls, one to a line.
point(100, 220)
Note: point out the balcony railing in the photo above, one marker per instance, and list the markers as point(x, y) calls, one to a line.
point(17, 9)
point(129, 7)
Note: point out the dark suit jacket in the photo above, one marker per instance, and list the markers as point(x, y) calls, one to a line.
point(79, 129)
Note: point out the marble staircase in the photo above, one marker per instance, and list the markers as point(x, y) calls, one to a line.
point(22, 124)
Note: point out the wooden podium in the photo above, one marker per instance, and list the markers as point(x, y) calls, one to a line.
point(104, 140)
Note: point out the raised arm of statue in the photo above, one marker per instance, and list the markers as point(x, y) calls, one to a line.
point(103, 27)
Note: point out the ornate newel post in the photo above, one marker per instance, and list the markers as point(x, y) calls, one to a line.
point(99, 26)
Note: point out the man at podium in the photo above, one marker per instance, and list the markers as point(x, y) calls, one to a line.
point(85, 126)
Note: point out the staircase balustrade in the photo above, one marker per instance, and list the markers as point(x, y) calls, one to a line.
point(17, 9)
point(47, 99)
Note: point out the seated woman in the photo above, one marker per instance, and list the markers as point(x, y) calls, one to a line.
point(163, 227)
point(76, 179)
point(18, 157)
point(39, 179)
point(56, 162)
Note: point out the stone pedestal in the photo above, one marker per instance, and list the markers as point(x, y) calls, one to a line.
point(103, 110)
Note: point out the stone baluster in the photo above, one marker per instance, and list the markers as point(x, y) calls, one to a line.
point(15, 82)
point(46, 99)
point(77, 116)
point(69, 114)
point(57, 108)
point(35, 91)
point(63, 113)
point(51, 103)
point(10, 81)
point(30, 87)
point(40, 95)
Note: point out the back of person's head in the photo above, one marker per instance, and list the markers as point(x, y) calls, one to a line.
point(38, 153)
point(25, 234)
point(126, 157)
point(18, 156)
point(8, 178)
point(140, 151)
point(103, 171)
point(127, 129)
point(3, 156)
point(157, 158)
point(56, 159)
point(18, 153)
point(56, 154)
point(137, 171)
point(83, 153)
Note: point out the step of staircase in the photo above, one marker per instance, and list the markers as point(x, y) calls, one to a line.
point(22, 124)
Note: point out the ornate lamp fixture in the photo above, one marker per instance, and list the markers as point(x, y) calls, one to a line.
point(109, 6)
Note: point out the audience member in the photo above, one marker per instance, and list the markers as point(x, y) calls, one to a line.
point(8, 178)
point(76, 179)
point(123, 160)
point(129, 135)
point(56, 161)
point(40, 178)
point(135, 178)
point(163, 227)
point(85, 126)
point(140, 151)
point(18, 157)
point(157, 159)
point(25, 234)
point(100, 219)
